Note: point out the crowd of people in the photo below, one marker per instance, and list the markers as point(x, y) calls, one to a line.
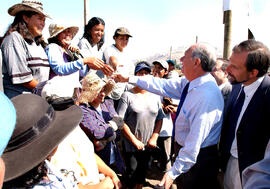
point(86, 117)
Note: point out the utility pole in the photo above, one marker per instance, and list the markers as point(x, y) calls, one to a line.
point(197, 39)
point(227, 21)
point(171, 52)
point(86, 11)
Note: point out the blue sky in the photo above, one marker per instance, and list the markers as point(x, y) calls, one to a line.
point(155, 24)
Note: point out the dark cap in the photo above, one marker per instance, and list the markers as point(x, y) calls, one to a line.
point(122, 31)
point(171, 61)
point(142, 65)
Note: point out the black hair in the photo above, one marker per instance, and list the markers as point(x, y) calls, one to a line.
point(29, 179)
point(87, 34)
point(20, 26)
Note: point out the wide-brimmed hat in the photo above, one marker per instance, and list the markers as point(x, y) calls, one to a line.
point(163, 63)
point(55, 29)
point(26, 5)
point(122, 31)
point(38, 131)
point(142, 65)
point(91, 86)
point(7, 121)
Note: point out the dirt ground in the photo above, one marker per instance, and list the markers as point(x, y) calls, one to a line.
point(153, 177)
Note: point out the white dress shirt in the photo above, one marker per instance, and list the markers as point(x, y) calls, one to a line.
point(198, 124)
point(249, 92)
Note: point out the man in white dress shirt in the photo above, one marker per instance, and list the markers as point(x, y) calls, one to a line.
point(198, 124)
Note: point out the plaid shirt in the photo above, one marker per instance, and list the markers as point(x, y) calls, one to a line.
point(95, 124)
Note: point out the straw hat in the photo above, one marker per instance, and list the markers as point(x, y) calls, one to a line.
point(26, 5)
point(55, 29)
point(38, 131)
point(92, 85)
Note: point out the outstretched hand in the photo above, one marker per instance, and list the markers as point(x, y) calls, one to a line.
point(107, 70)
point(119, 78)
point(94, 63)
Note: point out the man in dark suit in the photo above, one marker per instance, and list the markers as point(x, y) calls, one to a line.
point(221, 76)
point(246, 130)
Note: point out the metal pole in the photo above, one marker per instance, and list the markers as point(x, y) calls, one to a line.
point(227, 21)
point(171, 52)
point(86, 11)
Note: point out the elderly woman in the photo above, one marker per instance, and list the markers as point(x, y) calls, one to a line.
point(63, 60)
point(91, 44)
point(25, 62)
point(100, 121)
point(66, 62)
point(142, 112)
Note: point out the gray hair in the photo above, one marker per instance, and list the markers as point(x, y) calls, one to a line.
point(207, 55)
point(225, 64)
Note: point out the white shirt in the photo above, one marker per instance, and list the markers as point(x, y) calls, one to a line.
point(199, 122)
point(56, 180)
point(76, 153)
point(87, 50)
point(249, 92)
point(167, 125)
point(223, 85)
point(125, 67)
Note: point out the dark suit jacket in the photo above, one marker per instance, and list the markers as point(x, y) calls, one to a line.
point(253, 132)
point(226, 91)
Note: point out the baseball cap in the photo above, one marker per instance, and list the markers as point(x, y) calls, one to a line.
point(142, 65)
point(122, 31)
point(171, 61)
point(163, 63)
